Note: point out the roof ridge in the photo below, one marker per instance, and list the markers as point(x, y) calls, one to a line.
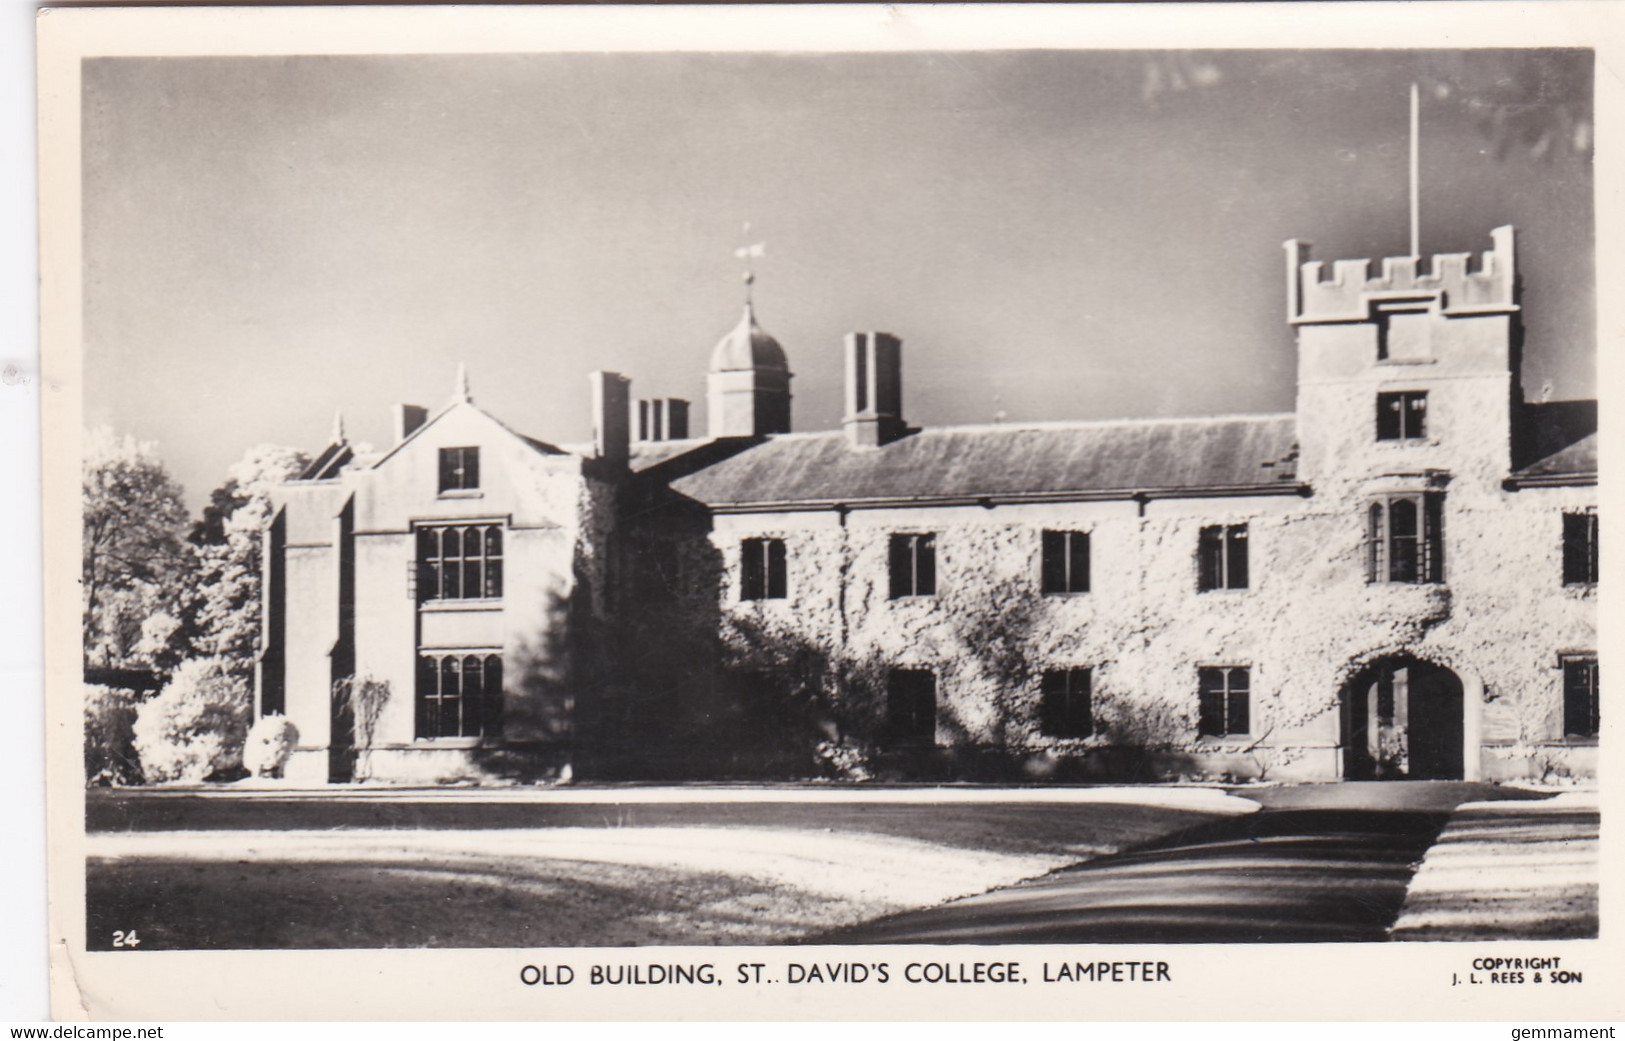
point(1058, 424)
point(1123, 421)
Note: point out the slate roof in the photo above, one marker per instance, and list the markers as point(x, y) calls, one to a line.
point(1558, 443)
point(1576, 460)
point(541, 447)
point(648, 454)
point(1052, 460)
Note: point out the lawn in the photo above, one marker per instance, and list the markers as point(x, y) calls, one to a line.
point(223, 869)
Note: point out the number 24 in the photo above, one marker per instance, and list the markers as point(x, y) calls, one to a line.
point(125, 939)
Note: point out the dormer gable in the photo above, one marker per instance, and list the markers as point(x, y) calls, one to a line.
point(464, 462)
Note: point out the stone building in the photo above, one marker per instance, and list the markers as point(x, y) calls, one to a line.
point(1396, 579)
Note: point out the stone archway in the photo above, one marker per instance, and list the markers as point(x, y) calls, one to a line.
point(1405, 718)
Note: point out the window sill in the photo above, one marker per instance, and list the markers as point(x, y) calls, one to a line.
point(462, 493)
point(912, 598)
point(471, 604)
point(1225, 589)
point(448, 743)
point(1066, 595)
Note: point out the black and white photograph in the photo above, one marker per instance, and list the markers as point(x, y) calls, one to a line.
point(811, 500)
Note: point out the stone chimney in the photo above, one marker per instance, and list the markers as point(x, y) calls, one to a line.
point(611, 421)
point(874, 389)
point(676, 419)
point(407, 419)
point(642, 422)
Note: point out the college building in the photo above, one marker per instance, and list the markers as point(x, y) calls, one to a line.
point(1397, 579)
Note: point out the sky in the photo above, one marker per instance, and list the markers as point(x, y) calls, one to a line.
point(1054, 234)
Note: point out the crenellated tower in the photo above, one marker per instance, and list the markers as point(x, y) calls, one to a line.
point(1414, 370)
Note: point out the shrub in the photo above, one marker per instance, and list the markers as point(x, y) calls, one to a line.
point(845, 761)
point(195, 728)
point(270, 741)
point(110, 756)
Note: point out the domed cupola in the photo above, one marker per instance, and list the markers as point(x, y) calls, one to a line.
point(746, 346)
point(748, 383)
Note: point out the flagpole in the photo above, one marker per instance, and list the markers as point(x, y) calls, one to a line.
point(1416, 164)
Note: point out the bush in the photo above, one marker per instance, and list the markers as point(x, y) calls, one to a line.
point(110, 756)
point(270, 741)
point(195, 728)
point(845, 761)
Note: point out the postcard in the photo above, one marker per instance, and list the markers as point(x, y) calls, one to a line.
point(827, 512)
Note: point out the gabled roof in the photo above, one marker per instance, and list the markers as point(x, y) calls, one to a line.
point(327, 463)
point(1234, 455)
point(540, 447)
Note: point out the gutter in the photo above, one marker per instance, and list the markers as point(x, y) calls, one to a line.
point(1575, 480)
point(1139, 495)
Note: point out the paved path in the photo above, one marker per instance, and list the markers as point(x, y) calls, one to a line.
point(1522, 870)
point(1320, 864)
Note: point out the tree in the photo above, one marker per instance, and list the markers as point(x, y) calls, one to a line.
point(110, 756)
point(248, 486)
point(227, 608)
point(134, 562)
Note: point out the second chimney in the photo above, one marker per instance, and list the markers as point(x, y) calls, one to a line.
point(676, 419)
point(874, 389)
point(661, 419)
point(611, 423)
point(407, 420)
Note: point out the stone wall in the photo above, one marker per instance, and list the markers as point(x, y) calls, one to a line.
point(1307, 623)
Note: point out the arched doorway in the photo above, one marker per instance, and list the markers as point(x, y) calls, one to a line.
point(1403, 718)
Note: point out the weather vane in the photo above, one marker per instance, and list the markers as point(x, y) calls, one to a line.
point(747, 253)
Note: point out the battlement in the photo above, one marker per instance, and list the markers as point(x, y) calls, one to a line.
point(1447, 285)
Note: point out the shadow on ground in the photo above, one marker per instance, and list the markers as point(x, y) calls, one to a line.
point(185, 905)
point(1323, 863)
point(1295, 875)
